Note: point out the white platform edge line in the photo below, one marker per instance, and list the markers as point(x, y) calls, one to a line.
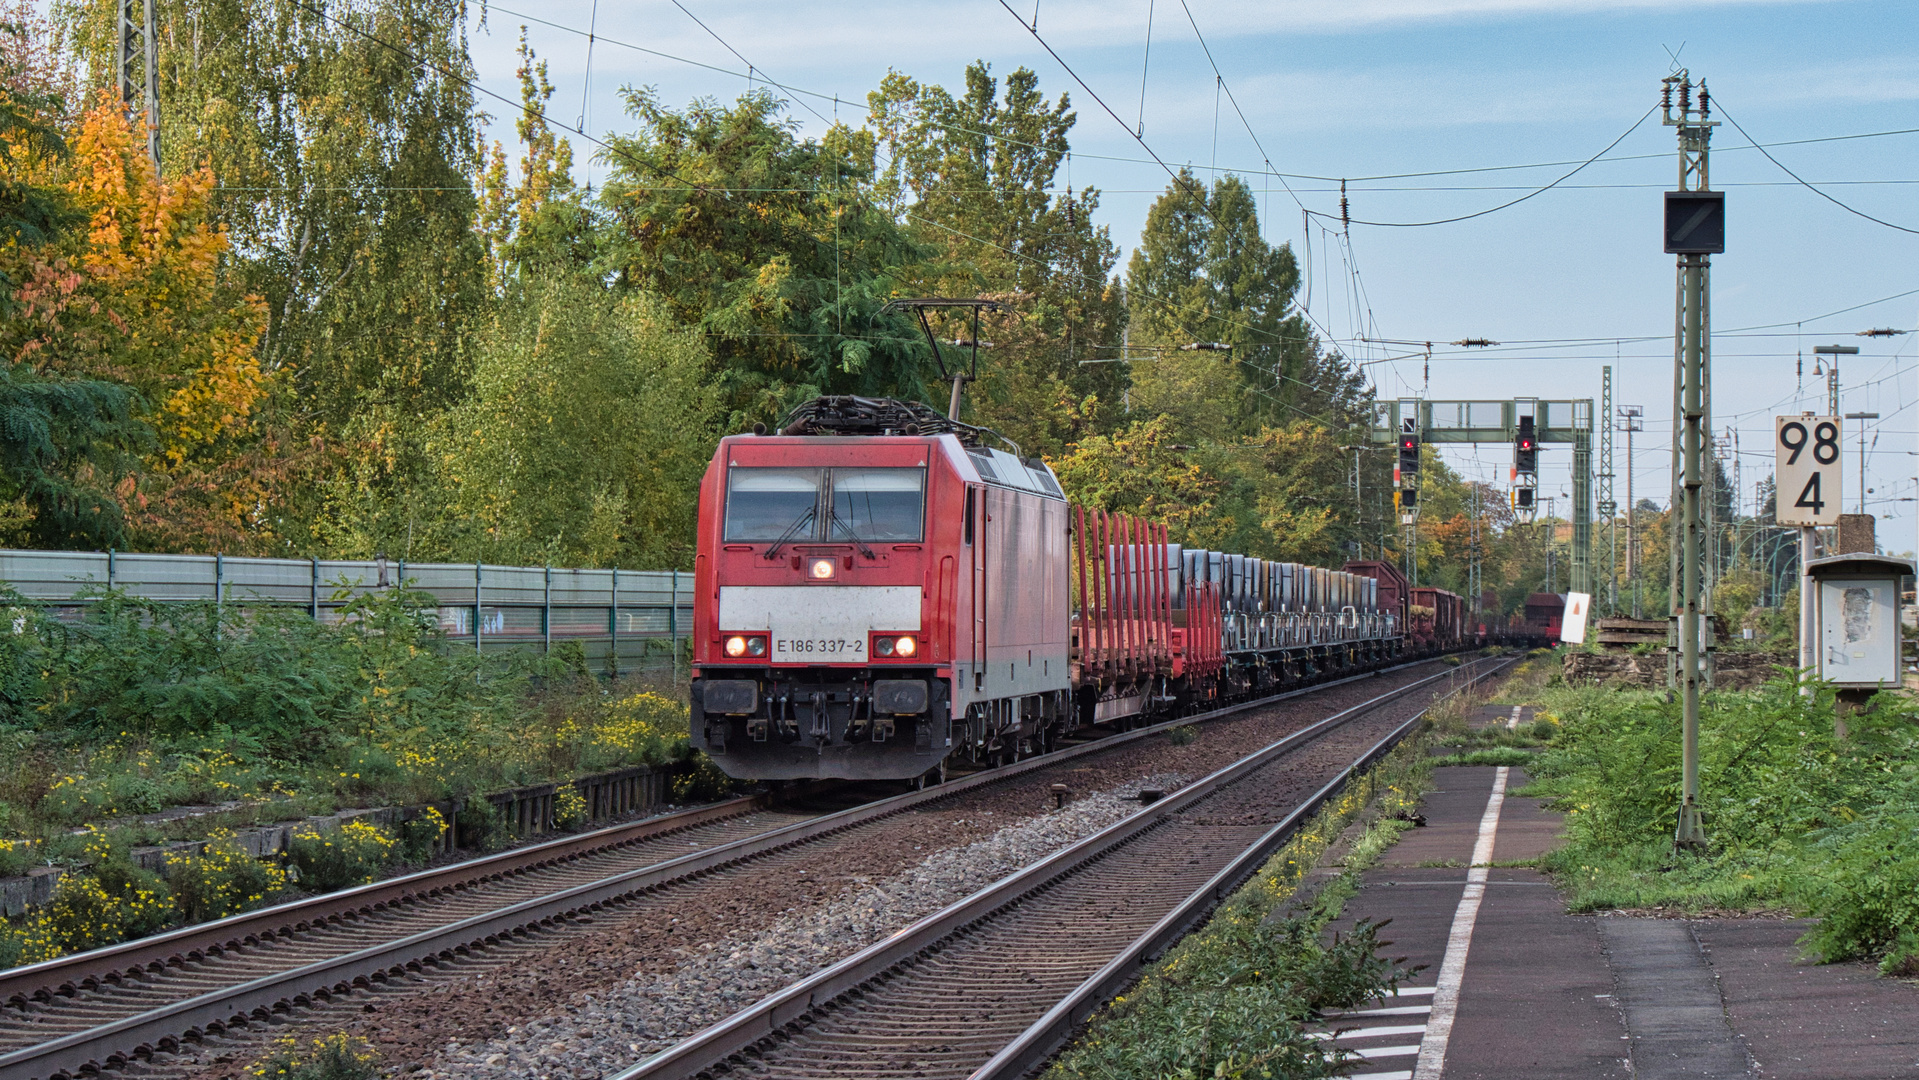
point(1452, 970)
point(1371, 1052)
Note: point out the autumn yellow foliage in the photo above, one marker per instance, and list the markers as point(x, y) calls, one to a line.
point(138, 296)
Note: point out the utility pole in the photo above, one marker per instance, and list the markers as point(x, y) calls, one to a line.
point(1631, 419)
point(1473, 583)
point(1688, 209)
point(1862, 453)
point(1607, 507)
point(140, 48)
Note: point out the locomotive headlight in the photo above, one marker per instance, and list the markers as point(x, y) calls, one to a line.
point(905, 646)
point(821, 569)
point(756, 646)
point(883, 646)
point(736, 645)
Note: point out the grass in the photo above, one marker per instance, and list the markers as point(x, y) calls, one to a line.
point(1798, 818)
point(1234, 999)
point(1497, 755)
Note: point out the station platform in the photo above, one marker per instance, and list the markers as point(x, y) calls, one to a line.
point(1513, 988)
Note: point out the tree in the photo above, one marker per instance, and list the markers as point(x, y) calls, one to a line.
point(975, 179)
point(1203, 273)
point(33, 211)
point(592, 419)
point(344, 137)
point(1141, 470)
point(768, 245)
point(543, 222)
point(140, 297)
point(66, 438)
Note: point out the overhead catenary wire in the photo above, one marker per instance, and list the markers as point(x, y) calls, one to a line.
point(1242, 170)
point(1808, 186)
point(1177, 178)
point(1505, 205)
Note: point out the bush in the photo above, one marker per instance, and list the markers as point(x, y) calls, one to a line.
point(221, 880)
point(136, 795)
point(107, 902)
point(569, 807)
point(1183, 735)
point(1864, 886)
point(353, 854)
point(480, 827)
point(420, 836)
point(704, 782)
point(335, 1057)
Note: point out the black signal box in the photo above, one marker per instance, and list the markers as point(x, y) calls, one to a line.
point(1408, 454)
point(1695, 222)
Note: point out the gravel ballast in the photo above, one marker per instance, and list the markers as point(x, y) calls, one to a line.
point(608, 1031)
point(482, 998)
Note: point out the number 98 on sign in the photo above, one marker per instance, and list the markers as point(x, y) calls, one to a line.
point(1806, 467)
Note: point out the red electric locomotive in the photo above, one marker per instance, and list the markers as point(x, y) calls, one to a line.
point(862, 584)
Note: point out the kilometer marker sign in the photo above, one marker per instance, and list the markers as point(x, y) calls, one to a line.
point(1806, 468)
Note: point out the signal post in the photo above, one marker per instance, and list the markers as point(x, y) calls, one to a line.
point(1695, 228)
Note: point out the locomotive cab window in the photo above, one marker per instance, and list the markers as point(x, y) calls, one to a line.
point(771, 504)
point(810, 505)
point(878, 505)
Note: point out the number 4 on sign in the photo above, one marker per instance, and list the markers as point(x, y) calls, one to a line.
point(1809, 496)
point(1806, 470)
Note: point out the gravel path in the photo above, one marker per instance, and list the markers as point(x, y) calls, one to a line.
point(605, 1032)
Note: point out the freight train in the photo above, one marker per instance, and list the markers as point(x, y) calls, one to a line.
point(878, 592)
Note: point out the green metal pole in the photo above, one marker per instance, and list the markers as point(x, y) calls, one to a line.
point(1690, 833)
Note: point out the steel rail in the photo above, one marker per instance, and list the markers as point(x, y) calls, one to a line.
point(765, 1020)
point(1046, 1035)
point(86, 970)
point(114, 1044)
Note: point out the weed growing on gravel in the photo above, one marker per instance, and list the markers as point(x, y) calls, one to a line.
point(1797, 818)
point(335, 1057)
point(1233, 1001)
point(704, 783)
point(1530, 676)
point(1183, 735)
point(1497, 755)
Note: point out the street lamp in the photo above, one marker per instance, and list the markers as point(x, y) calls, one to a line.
point(1832, 353)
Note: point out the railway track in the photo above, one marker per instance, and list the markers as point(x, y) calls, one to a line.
point(990, 987)
point(109, 1007)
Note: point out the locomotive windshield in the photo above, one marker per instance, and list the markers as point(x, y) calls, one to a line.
point(772, 504)
point(860, 505)
point(877, 504)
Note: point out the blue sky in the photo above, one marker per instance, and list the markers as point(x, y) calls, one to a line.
point(1357, 88)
